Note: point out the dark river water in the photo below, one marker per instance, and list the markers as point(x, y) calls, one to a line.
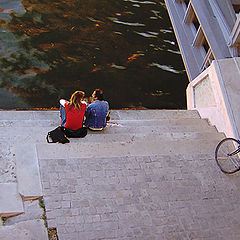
point(50, 48)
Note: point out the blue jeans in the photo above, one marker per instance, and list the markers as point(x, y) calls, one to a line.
point(63, 115)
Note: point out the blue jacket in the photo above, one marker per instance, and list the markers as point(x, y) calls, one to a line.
point(96, 114)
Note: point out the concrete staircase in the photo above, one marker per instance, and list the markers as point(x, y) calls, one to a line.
point(129, 133)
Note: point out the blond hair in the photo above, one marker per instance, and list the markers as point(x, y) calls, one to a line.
point(76, 99)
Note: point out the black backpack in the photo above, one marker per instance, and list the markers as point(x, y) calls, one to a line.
point(79, 133)
point(57, 135)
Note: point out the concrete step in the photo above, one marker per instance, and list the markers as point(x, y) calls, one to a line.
point(114, 133)
point(153, 114)
point(129, 137)
point(115, 114)
point(10, 201)
point(194, 126)
point(118, 149)
point(32, 211)
point(112, 123)
point(188, 125)
point(158, 122)
point(119, 137)
point(27, 171)
point(27, 230)
point(28, 123)
point(29, 115)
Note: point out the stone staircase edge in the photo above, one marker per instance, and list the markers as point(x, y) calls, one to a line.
point(11, 203)
point(29, 182)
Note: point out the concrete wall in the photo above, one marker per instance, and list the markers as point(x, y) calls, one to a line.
point(215, 93)
point(216, 19)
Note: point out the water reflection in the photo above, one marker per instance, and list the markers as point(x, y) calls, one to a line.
point(48, 49)
point(115, 20)
point(164, 67)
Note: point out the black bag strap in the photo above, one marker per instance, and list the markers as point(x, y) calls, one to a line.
point(48, 139)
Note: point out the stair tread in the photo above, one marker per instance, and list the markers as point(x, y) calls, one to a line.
point(113, 149)
point(26, 230)
point(29, 183)
point(127, 122)
point(10, 200)
point(115, 114)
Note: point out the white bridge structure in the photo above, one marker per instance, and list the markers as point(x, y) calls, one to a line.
point(208, 35)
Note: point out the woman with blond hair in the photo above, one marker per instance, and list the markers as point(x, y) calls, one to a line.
point(72, 112)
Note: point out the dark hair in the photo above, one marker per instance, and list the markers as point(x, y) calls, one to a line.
point(99, 94)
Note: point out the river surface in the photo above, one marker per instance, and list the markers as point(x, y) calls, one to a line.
point(50, 48)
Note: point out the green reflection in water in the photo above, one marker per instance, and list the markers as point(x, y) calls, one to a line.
point(50, 48)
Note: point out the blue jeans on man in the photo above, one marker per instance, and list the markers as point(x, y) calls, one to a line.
point(63, 115)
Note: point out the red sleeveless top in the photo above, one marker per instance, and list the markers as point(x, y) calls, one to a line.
point(74, 116)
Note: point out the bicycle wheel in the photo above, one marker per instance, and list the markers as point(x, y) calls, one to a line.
point(227, 155)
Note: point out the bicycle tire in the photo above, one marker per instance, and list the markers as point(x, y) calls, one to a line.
point(228, 164)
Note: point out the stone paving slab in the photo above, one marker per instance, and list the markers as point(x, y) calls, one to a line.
point(28, 175)
point(10, 200)
point(167, 197)
point(32, 211)
point(27, 230)
point(7, 162)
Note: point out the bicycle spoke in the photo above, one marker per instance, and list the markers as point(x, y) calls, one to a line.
point(227, 155)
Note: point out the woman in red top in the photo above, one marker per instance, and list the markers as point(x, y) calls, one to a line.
point(72, 113)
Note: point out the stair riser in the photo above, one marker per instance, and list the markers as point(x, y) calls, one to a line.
point(149, 137)
point(153, 114)
point(28, 131)
point(92, 150)
point(10, 201)
point(113, 123)
point(41, 138)
point(115, 114)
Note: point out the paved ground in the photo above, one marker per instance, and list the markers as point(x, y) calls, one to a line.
point(152, 197)
point(149, 175)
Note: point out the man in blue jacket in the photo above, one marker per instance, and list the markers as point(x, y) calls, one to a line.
point(97, 112)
